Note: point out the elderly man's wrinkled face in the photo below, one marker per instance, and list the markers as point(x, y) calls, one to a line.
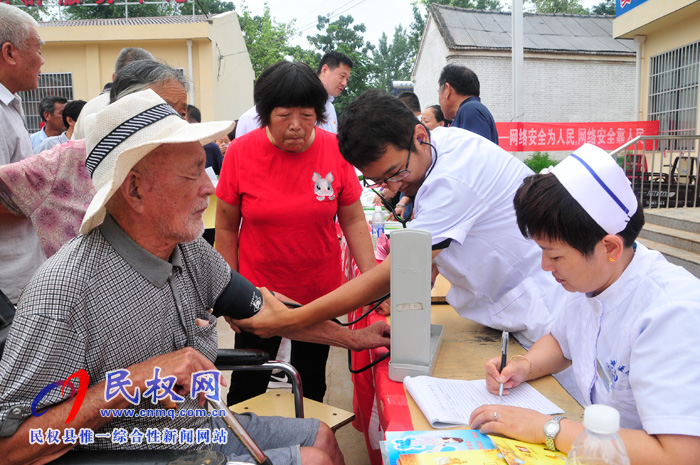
point(174, 94)
point(28, 60)
point(177, 190)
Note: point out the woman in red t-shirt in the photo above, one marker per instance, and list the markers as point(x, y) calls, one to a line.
point(280, 190)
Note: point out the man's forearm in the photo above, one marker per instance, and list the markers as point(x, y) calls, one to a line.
point(16, 448)
point(326, 332)
point(355, 293)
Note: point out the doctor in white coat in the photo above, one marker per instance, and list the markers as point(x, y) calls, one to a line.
point(463, 186)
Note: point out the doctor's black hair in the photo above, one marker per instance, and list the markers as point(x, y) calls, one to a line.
point(288, 85)
point(371, 123)
point(544, 208)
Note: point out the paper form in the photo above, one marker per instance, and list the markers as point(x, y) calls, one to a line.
point(449, 402)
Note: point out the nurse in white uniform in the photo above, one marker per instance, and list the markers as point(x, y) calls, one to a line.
point(464, 187)
point(629, 328)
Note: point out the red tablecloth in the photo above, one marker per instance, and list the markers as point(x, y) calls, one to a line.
point(379, 404)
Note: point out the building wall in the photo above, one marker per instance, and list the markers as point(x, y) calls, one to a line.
point(89, 52)
point(230, 85)
point(431, 58)
point(663, 25)
point(683, 32)
point(558, 88)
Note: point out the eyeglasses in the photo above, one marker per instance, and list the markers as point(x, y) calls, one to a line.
point(396, 177)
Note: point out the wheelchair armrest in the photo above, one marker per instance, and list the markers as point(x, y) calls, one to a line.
point(235, 357)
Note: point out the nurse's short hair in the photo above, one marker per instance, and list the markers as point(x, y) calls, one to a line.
point(289, 84)
point(370, 124)
point(544, 208)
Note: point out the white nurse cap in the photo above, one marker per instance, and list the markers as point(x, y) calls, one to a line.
point(599, 185)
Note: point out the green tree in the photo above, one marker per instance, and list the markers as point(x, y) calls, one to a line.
point(415, 33)
point(392, 61)
point(107, 11)
point(606, 7)
point(210, 7)
point(266, 39)
point(573, 7)
point(341, 35)
point(473, 4)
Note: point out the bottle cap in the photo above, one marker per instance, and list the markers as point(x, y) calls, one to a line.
point(601, 419)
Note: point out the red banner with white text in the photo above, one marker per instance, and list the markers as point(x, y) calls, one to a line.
point(538, 137)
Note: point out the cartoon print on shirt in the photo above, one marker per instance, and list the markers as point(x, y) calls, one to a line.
point(323, 187)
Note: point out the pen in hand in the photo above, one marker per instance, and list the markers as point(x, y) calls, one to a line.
point(504, 357)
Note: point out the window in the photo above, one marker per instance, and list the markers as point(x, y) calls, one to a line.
point(50, 84)
point(673, 92)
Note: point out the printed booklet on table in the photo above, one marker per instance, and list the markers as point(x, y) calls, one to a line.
point(418, 442)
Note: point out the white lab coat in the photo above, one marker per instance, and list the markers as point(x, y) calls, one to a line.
point(644, 331)
point(495, 272)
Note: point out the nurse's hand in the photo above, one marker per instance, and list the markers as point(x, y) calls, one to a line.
point(514, 373)
point(514, 422)
point(273, 318)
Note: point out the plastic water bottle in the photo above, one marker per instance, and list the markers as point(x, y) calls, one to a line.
point(377, 225)
point(599, 443)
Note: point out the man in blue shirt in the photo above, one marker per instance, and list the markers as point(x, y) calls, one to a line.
point(459, 99)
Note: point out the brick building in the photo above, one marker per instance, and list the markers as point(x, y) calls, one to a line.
point(573, 69)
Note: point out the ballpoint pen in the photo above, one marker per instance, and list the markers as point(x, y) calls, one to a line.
point(504, 357)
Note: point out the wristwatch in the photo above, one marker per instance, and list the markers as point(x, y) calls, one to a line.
point(551, 429)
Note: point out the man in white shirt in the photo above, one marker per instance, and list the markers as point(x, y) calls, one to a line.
point(20, 62)
point(334, 72)
point(52, 115)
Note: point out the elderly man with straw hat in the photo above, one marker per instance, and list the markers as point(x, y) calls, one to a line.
point(123, 308)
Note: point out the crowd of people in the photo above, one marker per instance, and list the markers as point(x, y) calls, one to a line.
point(101, 252)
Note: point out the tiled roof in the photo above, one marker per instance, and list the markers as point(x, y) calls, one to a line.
point(479, 29)
point(127, 21)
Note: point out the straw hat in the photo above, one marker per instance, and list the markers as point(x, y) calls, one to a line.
point(122, 134)
point(599, 185)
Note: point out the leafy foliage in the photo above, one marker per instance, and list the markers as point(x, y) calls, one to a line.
point(393, 61)
point(607, 7)
point(341, 35)
point(265, 38)
point(107, 11)
point(473, 4)
point(539, 161)
point(210, 7)
point(573, 7)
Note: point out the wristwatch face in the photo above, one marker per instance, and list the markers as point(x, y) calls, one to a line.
point(551, 428)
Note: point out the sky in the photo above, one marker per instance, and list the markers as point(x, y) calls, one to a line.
point(377, 15)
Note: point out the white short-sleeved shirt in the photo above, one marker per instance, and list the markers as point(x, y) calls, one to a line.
point(635, 345)
point(247, 122)
point(467, 199)
point(20, 250)
point(331, 124)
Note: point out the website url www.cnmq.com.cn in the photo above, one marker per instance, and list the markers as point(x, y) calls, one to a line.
point(160, 413)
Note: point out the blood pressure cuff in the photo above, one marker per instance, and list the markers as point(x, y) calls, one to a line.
point(239, 300)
